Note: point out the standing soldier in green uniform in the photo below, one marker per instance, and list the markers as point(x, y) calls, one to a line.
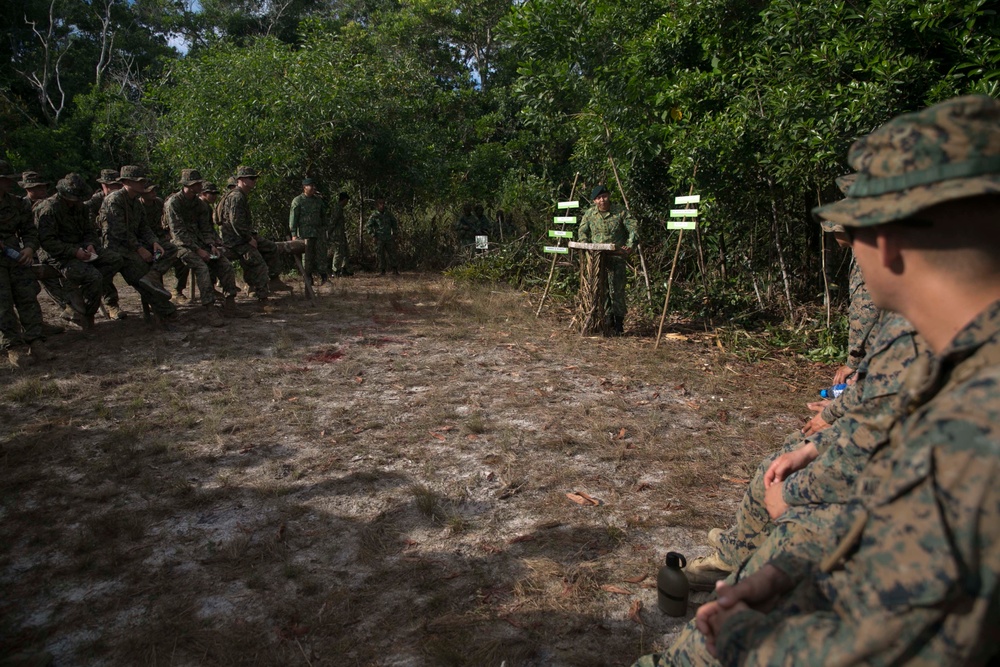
point(109, 183)
point(338, 237)
point(144, 258)
point(466, 228)
point(307, 219)
point(605, 222)
point(72, 244)
point(257, 255)
point(383, 226)
point(21, 334)
point(913, 578)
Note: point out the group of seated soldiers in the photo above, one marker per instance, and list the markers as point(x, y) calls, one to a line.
point(74, 243)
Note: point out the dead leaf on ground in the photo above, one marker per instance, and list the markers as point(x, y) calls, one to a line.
point(582, 498)
point(735, 480)
point(633, 612)
point(636, 579)
point(521, 538)
point(621, 434)
point(358, 379)
point(437, 435)
point(618, 590)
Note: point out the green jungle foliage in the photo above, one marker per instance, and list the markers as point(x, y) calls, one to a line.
point(515, 105)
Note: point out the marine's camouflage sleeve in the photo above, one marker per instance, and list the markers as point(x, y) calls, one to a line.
point(62, 230)
point(124, 222)
point(235, 219)
point(616, 226)
point(921, 583)
point(206, 228)
point(17, 228)
point(848, 445)
point(853, 396)
point(862, 316)
point(382, 226)
point(181, 216)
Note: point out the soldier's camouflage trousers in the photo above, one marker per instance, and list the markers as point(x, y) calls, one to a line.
point(206, 273)
point(91, 278)
point(135, 267)
point(616, 286)
point(338, 249)
point(18, 289)
point(315, 259)
point(259, 264)
point(385, 253)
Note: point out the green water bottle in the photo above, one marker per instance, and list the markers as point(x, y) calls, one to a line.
point(672, 586)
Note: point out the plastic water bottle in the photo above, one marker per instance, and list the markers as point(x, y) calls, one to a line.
point(672, 586)
point(11, 254)
point(833, 392)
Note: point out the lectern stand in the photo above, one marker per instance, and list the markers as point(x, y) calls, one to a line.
point(592, 310)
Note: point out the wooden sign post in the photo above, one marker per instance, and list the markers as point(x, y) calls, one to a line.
point(559, 235)
point(680, 219)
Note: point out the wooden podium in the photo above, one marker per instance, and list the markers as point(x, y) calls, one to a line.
point(592, 307)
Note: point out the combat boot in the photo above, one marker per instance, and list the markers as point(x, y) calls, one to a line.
point(276, 285)
point(114, 312)
point(51, 329)
point(154, 281)
point(715, 537)
point(229, 309)
point(705, 571)
point(19, 358)
point(212, 316)
point(178, 295)
point(39, 352)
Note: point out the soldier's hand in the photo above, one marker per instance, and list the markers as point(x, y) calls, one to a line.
point(789, 462)
point(774, 500)
point(844, 372)
point(713, 621)
point(253, 242)
point(818, 406)
point(815, 425)
point(91, 250)
point(145, 254)
point(27, 256)
point(157, 248)
point(82, 255)
point(204, 255)
point(759, 591)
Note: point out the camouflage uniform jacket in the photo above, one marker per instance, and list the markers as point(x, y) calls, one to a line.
point(206, 225)
point(93, 206)
point(17, 230)
point(862, 315)
point(63, 228)
point(920, 579)
point(123, 222)
point(337, 218)
point(847, 445)
point(154, 216)
point(467, 228)
point(382, 226)
point(616, 226)
point(235, 219)
point(182, 216)
point(307, 217)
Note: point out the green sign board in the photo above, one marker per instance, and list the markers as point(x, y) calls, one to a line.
point(569, 204)
point(564, 220)
point(560, 234)
point(557, 250)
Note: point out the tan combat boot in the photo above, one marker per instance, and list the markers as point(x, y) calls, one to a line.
point(705, 571)
point(178, 295)
point(18, 357)
point(715, 537)
point(115, 313)
point(229, 309)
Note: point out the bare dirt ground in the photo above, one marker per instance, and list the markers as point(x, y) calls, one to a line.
point(376, 478)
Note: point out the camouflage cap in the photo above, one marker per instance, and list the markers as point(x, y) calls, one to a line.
point(209, 188)
point(308, 181)
point(133, 172)
point(72, 187)
point(108, 176)
point(31, 179)
point(6, 169)
point(245, 172)
point(844, 183)
point(190, 177)
point(945, 152)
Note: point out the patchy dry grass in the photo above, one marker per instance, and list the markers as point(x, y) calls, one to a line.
point(376, 478)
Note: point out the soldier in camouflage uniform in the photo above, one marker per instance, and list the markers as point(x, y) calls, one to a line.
point(383, 226)
point(337, 237)
point(467, 227)
point(307, 219)
point(20, 334)
point(605, 222)
point(36, 191)
point(914, 575)
point(144, 257)
point(109, 183)
point(257, 255)
point(190, 223)
point(70, 242)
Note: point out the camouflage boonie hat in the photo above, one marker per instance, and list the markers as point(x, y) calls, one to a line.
point(245, 172)
point(132, 172)
point(844, 183)
point(72, 187)
point(190, 177)
point(108, 176)
point(5, 170)
point(31, 179)
point(945, 152)
point(209, 188)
